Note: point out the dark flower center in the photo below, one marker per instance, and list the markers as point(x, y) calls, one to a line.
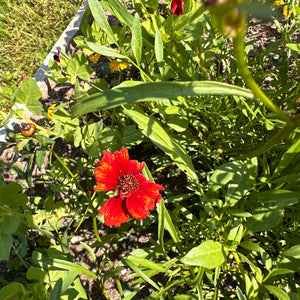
point(128, 183)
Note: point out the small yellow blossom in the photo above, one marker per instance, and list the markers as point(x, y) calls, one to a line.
point(115, 66)
point(94, 57)
point(278, 3)
point(123, 65)
point(286, 11)
point(50, 112)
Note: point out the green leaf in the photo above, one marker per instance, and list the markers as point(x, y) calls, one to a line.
point(277, 199)
point(67, 265)
point(121, 13)
point(10, 195)
point(153, 130)
point(100, 18)
point(141, 273)
point(263, 219)
point(288, 157)
point(293, 252)
point(146, 263)
point(36, 273)
point(240, 294)
point(136, 40)
point(29, 94)
point(154, 92)
point(5, 246)
point(103, 50)
point(57, 290)
point(208, 254)
point(251, 246)
point(276, 291)
point(294, 46)
point(159, 51)
point(12, 291)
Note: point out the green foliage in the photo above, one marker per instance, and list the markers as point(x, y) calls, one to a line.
point(195, 106)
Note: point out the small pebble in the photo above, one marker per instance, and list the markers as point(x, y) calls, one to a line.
point(276, 57)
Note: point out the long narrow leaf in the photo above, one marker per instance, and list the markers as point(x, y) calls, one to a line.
point(136, 40)
point(153, 130)
point(106, 51)
point(121, 12)
point(136, 269)
point(159, 51)
point(100, 17)
point(155, 91)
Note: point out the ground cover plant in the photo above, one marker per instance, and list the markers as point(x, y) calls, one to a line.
point(28, 31)
point(185, 133)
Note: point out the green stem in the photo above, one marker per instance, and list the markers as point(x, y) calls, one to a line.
point(282, 134)
point(238, 47)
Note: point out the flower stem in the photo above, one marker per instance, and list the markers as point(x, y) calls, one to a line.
point(238, 47)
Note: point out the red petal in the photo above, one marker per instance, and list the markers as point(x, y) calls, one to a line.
point(106, 177)
point(115, 212)
point(144, 199)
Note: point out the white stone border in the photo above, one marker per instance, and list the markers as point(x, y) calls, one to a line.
point(62, 43)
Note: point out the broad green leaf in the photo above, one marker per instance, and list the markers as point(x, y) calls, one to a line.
point(159, 51)
point(10, 194)
point(154, 92)
point(208, 254)
point(288, 157)
point(136, 40)
point(106, 51)
point(14, 290)
point(9, 225)
point(29, 94)
point(251, 246)
point(56, 292)
point(277, 199)
point(294, 46)
point(293, 252)
point(100, 18)
point(242, 180)
point(263, 219)
point(36, 273)
point(153, 130)
point(276, 291)
point(5, 246)
point(235, 235)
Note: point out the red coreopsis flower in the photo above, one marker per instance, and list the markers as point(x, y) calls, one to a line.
point(135, 195)
point(177, 7)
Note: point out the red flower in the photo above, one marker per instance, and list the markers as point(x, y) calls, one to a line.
point(56, 57)
point(177, 7)
point(135, 195)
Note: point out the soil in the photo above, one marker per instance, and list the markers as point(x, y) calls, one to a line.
point(263, 34)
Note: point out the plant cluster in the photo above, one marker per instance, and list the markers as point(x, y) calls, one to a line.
point(214, 134)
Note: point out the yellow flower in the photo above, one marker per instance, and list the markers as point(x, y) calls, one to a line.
point(50, 112)
point(123, 65)
point(115, 66)
point(278, 3)
point(286, 11)
point(94, 57)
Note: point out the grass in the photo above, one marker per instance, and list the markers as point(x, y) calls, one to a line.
point(28, 31)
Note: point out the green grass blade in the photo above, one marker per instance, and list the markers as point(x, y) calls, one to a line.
point(154, 92)
point(153, 130)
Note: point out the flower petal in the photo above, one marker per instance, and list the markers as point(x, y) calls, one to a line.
point(144, 199)
point(115, 211)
